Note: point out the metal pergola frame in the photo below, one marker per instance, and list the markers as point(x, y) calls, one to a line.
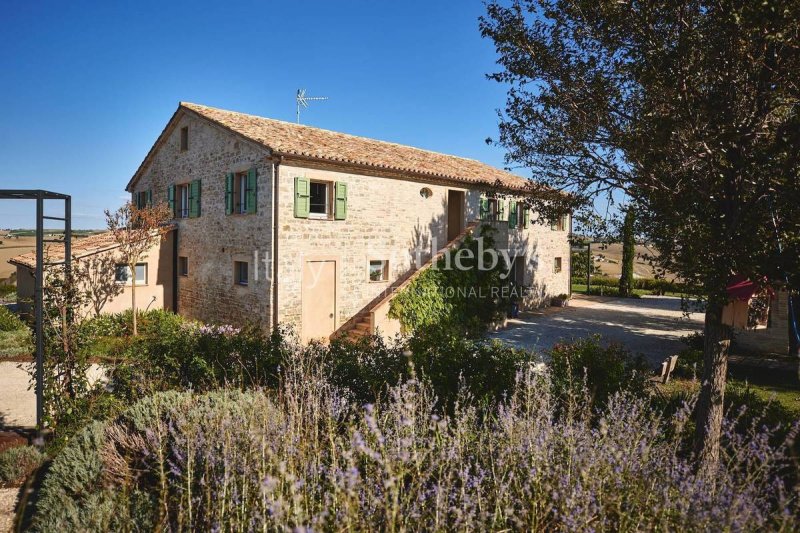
point(38, 295)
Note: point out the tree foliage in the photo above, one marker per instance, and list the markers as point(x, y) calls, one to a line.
point(688, 108)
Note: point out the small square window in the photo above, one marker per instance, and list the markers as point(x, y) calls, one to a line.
point(183, 266)
point(123, 274)
point(184, 138)
point(378, 270)
point(320, 199)
point(557, 265)
point(240, 272)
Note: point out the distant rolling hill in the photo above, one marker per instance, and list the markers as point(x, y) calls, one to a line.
point(608, 258)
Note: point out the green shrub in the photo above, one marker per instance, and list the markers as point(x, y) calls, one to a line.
point(16, 343)
point(74, 496)
point(486, 369)
point(18, 463)
point(608, 291)
point(602, 370)
point(9, 321)
point(7, 289)
point(152, 322)
point(200, 357)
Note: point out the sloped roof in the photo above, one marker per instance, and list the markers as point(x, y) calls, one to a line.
point(290, 139)
point(54, 251)
point(81, 247)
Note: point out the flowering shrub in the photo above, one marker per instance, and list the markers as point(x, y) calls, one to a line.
point(310, 458)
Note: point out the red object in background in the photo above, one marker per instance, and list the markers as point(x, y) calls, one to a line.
point(741, 288)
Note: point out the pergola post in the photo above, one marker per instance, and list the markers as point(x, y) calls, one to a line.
point(38, 295)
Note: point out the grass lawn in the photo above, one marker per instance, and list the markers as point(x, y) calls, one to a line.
point(15, 343)
point(785, 395)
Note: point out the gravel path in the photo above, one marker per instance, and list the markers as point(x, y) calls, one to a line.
point(17, 402)
point(8, 500)
point(652, 325)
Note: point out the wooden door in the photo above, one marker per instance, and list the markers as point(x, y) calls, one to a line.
point(319, 299)
point(455, 214)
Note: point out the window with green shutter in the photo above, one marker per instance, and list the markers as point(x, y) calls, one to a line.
point(149, 197)
point(512, 214)
point(340, 209)
point(194, 199)
point(251, 203)
point(484, 209)
point(526, 216)
point(302, 197)
point(171, 199)
point(229, 193)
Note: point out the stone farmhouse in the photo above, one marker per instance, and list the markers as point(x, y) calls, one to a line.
point(280, 223)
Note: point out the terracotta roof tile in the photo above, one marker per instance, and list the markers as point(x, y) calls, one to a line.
point(82, 246)
point(287, 138)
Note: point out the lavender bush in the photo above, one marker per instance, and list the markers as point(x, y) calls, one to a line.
point(307, 457)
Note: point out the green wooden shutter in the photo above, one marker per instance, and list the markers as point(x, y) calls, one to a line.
point(171, 199)
point(340, 207)
point(194, 199)
point(149, 197)
point(501, 209)
point(252, 191)
point(512, 214)
point(229, 193)
point(484, 209)
point(526, 216)
point(302, 197)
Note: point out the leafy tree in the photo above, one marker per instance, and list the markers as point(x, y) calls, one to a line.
point(628, 254)
point(691, 109)
point(136, 230)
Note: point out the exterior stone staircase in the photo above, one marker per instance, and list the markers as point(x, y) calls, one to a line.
point(364, 322)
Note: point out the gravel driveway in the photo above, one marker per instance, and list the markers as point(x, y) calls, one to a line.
point(652, 325)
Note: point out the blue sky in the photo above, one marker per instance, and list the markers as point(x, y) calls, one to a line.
point(88, 86)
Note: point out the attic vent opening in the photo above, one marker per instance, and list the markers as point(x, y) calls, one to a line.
point(425, 192)
point(184, 138)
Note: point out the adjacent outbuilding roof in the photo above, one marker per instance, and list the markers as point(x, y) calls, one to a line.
point(306, 142)
point(81, 247)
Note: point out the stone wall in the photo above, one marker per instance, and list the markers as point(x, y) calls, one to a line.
point(389, 219)
point(214, 240)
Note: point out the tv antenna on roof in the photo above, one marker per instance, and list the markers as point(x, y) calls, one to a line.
point(303, 100)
